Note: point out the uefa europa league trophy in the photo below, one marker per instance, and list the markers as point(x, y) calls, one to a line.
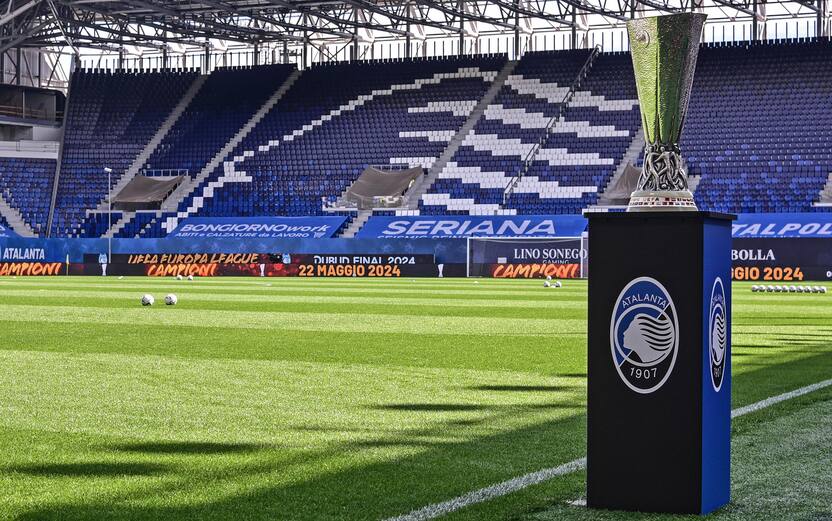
point(664, 51)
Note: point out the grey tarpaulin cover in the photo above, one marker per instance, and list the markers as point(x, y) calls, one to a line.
point(374, 184)
point(145, 193)
point(619, 191)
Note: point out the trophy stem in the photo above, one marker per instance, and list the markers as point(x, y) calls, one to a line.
point(663, 183)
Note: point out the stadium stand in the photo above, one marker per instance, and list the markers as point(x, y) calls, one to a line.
point(759, 126)
point(110, 118)
point(26, 184)
point(227, 99)
point(757, 137)
point(577, 154)
point(337, 120)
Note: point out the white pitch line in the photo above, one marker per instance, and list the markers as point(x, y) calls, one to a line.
point(768, 402)
point(519, 483)
point(484, 494)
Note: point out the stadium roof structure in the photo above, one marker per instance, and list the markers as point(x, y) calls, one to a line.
point(161, 25)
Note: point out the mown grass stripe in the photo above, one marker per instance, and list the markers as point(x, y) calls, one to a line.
point(189, 296)
point(291, 321)
point(403, 292)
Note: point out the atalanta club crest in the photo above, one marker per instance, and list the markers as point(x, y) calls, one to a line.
point(644, 335)
point(718, 334)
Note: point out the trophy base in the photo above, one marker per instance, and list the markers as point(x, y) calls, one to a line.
point(666, 201)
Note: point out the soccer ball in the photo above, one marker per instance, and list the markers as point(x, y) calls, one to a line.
point(171, 300)
point(770, 288)
point(793, 289)
point(823, 289)
point(148, 300)
point(547, 284)
point(190, 277)
point(558, 284)
point(755, 288)
point(548, 278)
point(179, 277)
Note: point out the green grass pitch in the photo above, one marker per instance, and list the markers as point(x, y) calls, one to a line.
point(347, 399)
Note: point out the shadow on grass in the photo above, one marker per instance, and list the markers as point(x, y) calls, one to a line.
point(522, 388)
point(448, 462)
point(429, 407)
point(199, 447)
point(91, 470)
point(464, 407)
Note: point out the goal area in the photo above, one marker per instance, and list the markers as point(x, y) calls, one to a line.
point(527, 257)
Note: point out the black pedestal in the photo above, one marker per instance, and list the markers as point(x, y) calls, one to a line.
point(659, 382)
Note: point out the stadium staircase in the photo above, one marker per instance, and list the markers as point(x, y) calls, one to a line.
point(14, 219)
point(631, 156)
point(119, 224)
point(148, 150)
point(185, 189)
point(459, 137)
point(54, 191)
point(826, 194)
point(357, 223)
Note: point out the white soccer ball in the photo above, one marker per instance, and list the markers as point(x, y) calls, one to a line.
point(754, 288)
point(179, 277)
point(148, 300)
point(823, 289)
point(171, 300)
point(190, 277)
point(770, 288)
point(546, 284)
point(793, 289)
point(558, 284)
point(778, 289)
point(549, 278)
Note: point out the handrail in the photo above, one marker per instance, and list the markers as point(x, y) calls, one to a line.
point(161, 172)
point(29, 146)
point(17, 111)
point(390, 167)
point(509, 190)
